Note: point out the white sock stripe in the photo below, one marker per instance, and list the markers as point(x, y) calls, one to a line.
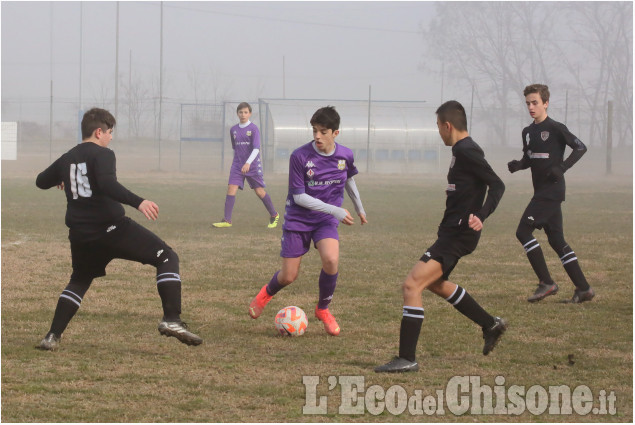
point(413, 308)
point(525, 245)
point(70, 298)
point(533, 247)
point(176, 275)
point(413, 315)
point(168, 280)
point(455, 289)
point(460, 297)
point(77, 297)
point(566, 255)
point(569, 260)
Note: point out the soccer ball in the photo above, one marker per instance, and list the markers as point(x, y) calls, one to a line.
point(291, 321)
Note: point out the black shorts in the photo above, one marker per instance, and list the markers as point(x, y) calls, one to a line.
point(129, 241)
point(544, 213)
point(450, 246)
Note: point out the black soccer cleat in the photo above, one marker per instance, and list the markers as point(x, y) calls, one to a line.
point(398, 365)
point(580, 296)
point(50, 342)
point(543, 291)
point(493, 334)
point(179, 331)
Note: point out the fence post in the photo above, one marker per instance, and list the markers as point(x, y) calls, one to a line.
point(609, 138)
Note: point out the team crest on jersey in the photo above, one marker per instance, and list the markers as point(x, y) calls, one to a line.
point(341, 164)
point(235, 134)
point(249, 133)
point(453, 161)
point(544, 135)
point(310, 173)
point(309, 164)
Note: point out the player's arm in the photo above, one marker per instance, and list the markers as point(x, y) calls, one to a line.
point(106, 176)
point(49, 177)
point(312, 203)
point(353, 193)
point(578, 149)
point(495, 186)
point(247, 165)
point(523, 164)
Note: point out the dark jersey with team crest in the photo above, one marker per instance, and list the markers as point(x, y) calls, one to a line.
point(93, 194)
point(469, 177)
point(543, 149)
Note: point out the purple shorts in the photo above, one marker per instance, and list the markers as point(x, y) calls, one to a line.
point(296, 244)
point(255, 179)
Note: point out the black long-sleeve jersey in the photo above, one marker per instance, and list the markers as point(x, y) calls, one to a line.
point(543, 150)
point(469, 178)
point(93, 194)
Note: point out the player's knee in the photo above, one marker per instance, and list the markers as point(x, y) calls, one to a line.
point(330, 265)
point(558, 244)
point(524, 233)
point(79, 285)
point(167, 261)
point(288, 277)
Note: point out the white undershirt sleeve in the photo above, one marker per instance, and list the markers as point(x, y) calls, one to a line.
point(353, 193)
point(308, 201)
point(253, 156)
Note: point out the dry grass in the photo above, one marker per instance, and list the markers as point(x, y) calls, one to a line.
point(113, 366)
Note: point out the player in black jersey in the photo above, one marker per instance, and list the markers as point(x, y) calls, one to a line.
point(469, 178)
point(544, 143)
point(99, 231)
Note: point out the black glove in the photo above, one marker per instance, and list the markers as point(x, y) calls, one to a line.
point(556, 173)
point(513, 166)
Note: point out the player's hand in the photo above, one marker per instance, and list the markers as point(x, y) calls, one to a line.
point(513, 166)
point(349, 220)
point(245, 168)
point(362, 217)
point(556, 174)
point(475, 223)
point(60, 186)
point(149, 209)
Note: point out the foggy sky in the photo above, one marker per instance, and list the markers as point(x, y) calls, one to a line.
point(332, 50)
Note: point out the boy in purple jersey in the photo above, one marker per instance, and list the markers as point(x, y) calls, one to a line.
point(245, 138)
point(319, 172)
point(544, 143)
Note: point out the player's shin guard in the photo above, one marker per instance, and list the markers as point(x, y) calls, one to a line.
point(467, 306)
point(67, 305)
point(327, 285)
point(411, 322)
point(266, 200)
point(273, 287)
point(230, 200)
point(570, 263)
point(169, 285)
point(537, 260)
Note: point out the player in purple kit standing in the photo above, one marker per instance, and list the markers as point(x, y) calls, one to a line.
point(318, 174)
point(245, 138)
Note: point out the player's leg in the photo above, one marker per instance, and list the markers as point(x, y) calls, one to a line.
point(230, 200)
point(258, 185)
point(524, 233)
point(555, 234)
point(67, 305)
point(493, 327)
point(421, 276)
point(293, 246)
point(136, 243)
point(329, 249)
point(89, 261)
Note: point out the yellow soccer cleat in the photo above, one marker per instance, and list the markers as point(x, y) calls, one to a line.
point(273, 222)
point(222, 223)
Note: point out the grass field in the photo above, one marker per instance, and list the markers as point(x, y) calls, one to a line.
point(113, 366)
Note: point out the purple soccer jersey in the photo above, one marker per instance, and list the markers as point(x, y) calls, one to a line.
point(322, 177)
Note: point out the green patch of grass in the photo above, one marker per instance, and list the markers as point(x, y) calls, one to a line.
point(113, 366)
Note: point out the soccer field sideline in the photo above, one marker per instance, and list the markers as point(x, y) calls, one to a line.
point(114, 366)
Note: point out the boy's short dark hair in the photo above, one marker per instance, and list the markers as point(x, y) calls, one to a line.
point(96, 118)
point(541, 89)
point(326, 117)
point(243, 105)
point(454, 113)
